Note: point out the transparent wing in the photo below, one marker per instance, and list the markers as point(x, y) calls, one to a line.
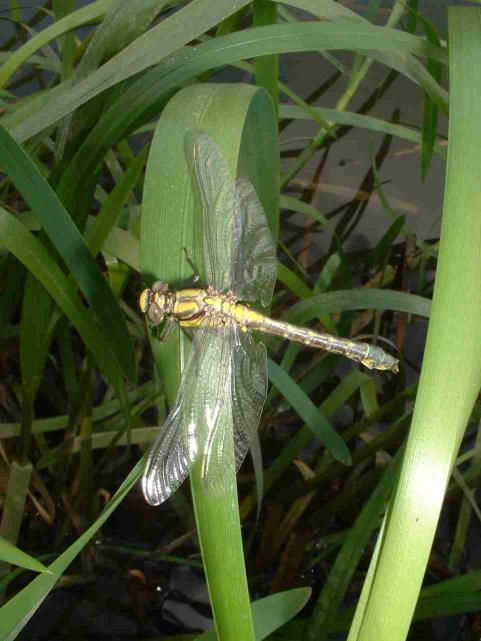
point(239, 252)
point(240, 411)
point(217, 195)
point(187, 432)
point(254, 266)
point(248, 391)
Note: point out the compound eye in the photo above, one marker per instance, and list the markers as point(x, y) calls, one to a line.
point(159, 287)
point(154, 314)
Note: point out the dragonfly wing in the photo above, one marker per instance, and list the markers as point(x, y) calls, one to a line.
point(217, 192)
point(248, 391)
point(241, 411)
point(193, 417)
point(217, 453)
point(254, 257)
point(239, 252)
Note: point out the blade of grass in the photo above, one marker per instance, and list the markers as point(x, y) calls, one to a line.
point(361, 298)
point(336, 585)
point(15, 614)
point(14, 505)
point(430, 116)
point(12, 555)
point(352, 119)
point(448, 386)
point(271, 612)
point(36, 258)
point(332, 403)
point(68, 241)
point(310, 414)
point(90, 13)
point(267, 67)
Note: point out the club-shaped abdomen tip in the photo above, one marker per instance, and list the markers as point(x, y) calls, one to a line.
point(390, 363)
point(379, 359)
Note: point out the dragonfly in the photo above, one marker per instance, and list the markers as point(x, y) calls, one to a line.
point(225, 375)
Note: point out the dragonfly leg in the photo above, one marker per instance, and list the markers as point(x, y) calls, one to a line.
point(196, 275)
point(166, 330)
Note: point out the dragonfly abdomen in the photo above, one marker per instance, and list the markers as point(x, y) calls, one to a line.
point(371, 356)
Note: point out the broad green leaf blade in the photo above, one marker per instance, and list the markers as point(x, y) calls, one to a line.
point(15, 614)
point(288, 278)
point(241, 120)
point(271, 612)
point(310, 414)
point(451, 371)
point(11, 554)
point(71, 246)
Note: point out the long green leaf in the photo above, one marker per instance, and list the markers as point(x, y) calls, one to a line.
point(336, 584)
point(314, 419)
point(451, 371)
point(149, 93)
point(267, 67)
point(336, 399)
point(352, 119)
point(123, 23)
point(16, 239)
point(361, 298)
point(11, 554)
point(271, 612)
point(15, 614)
point(71, 246)
point(76, 19)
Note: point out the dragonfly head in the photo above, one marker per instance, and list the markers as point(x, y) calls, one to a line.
point(153, 302)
